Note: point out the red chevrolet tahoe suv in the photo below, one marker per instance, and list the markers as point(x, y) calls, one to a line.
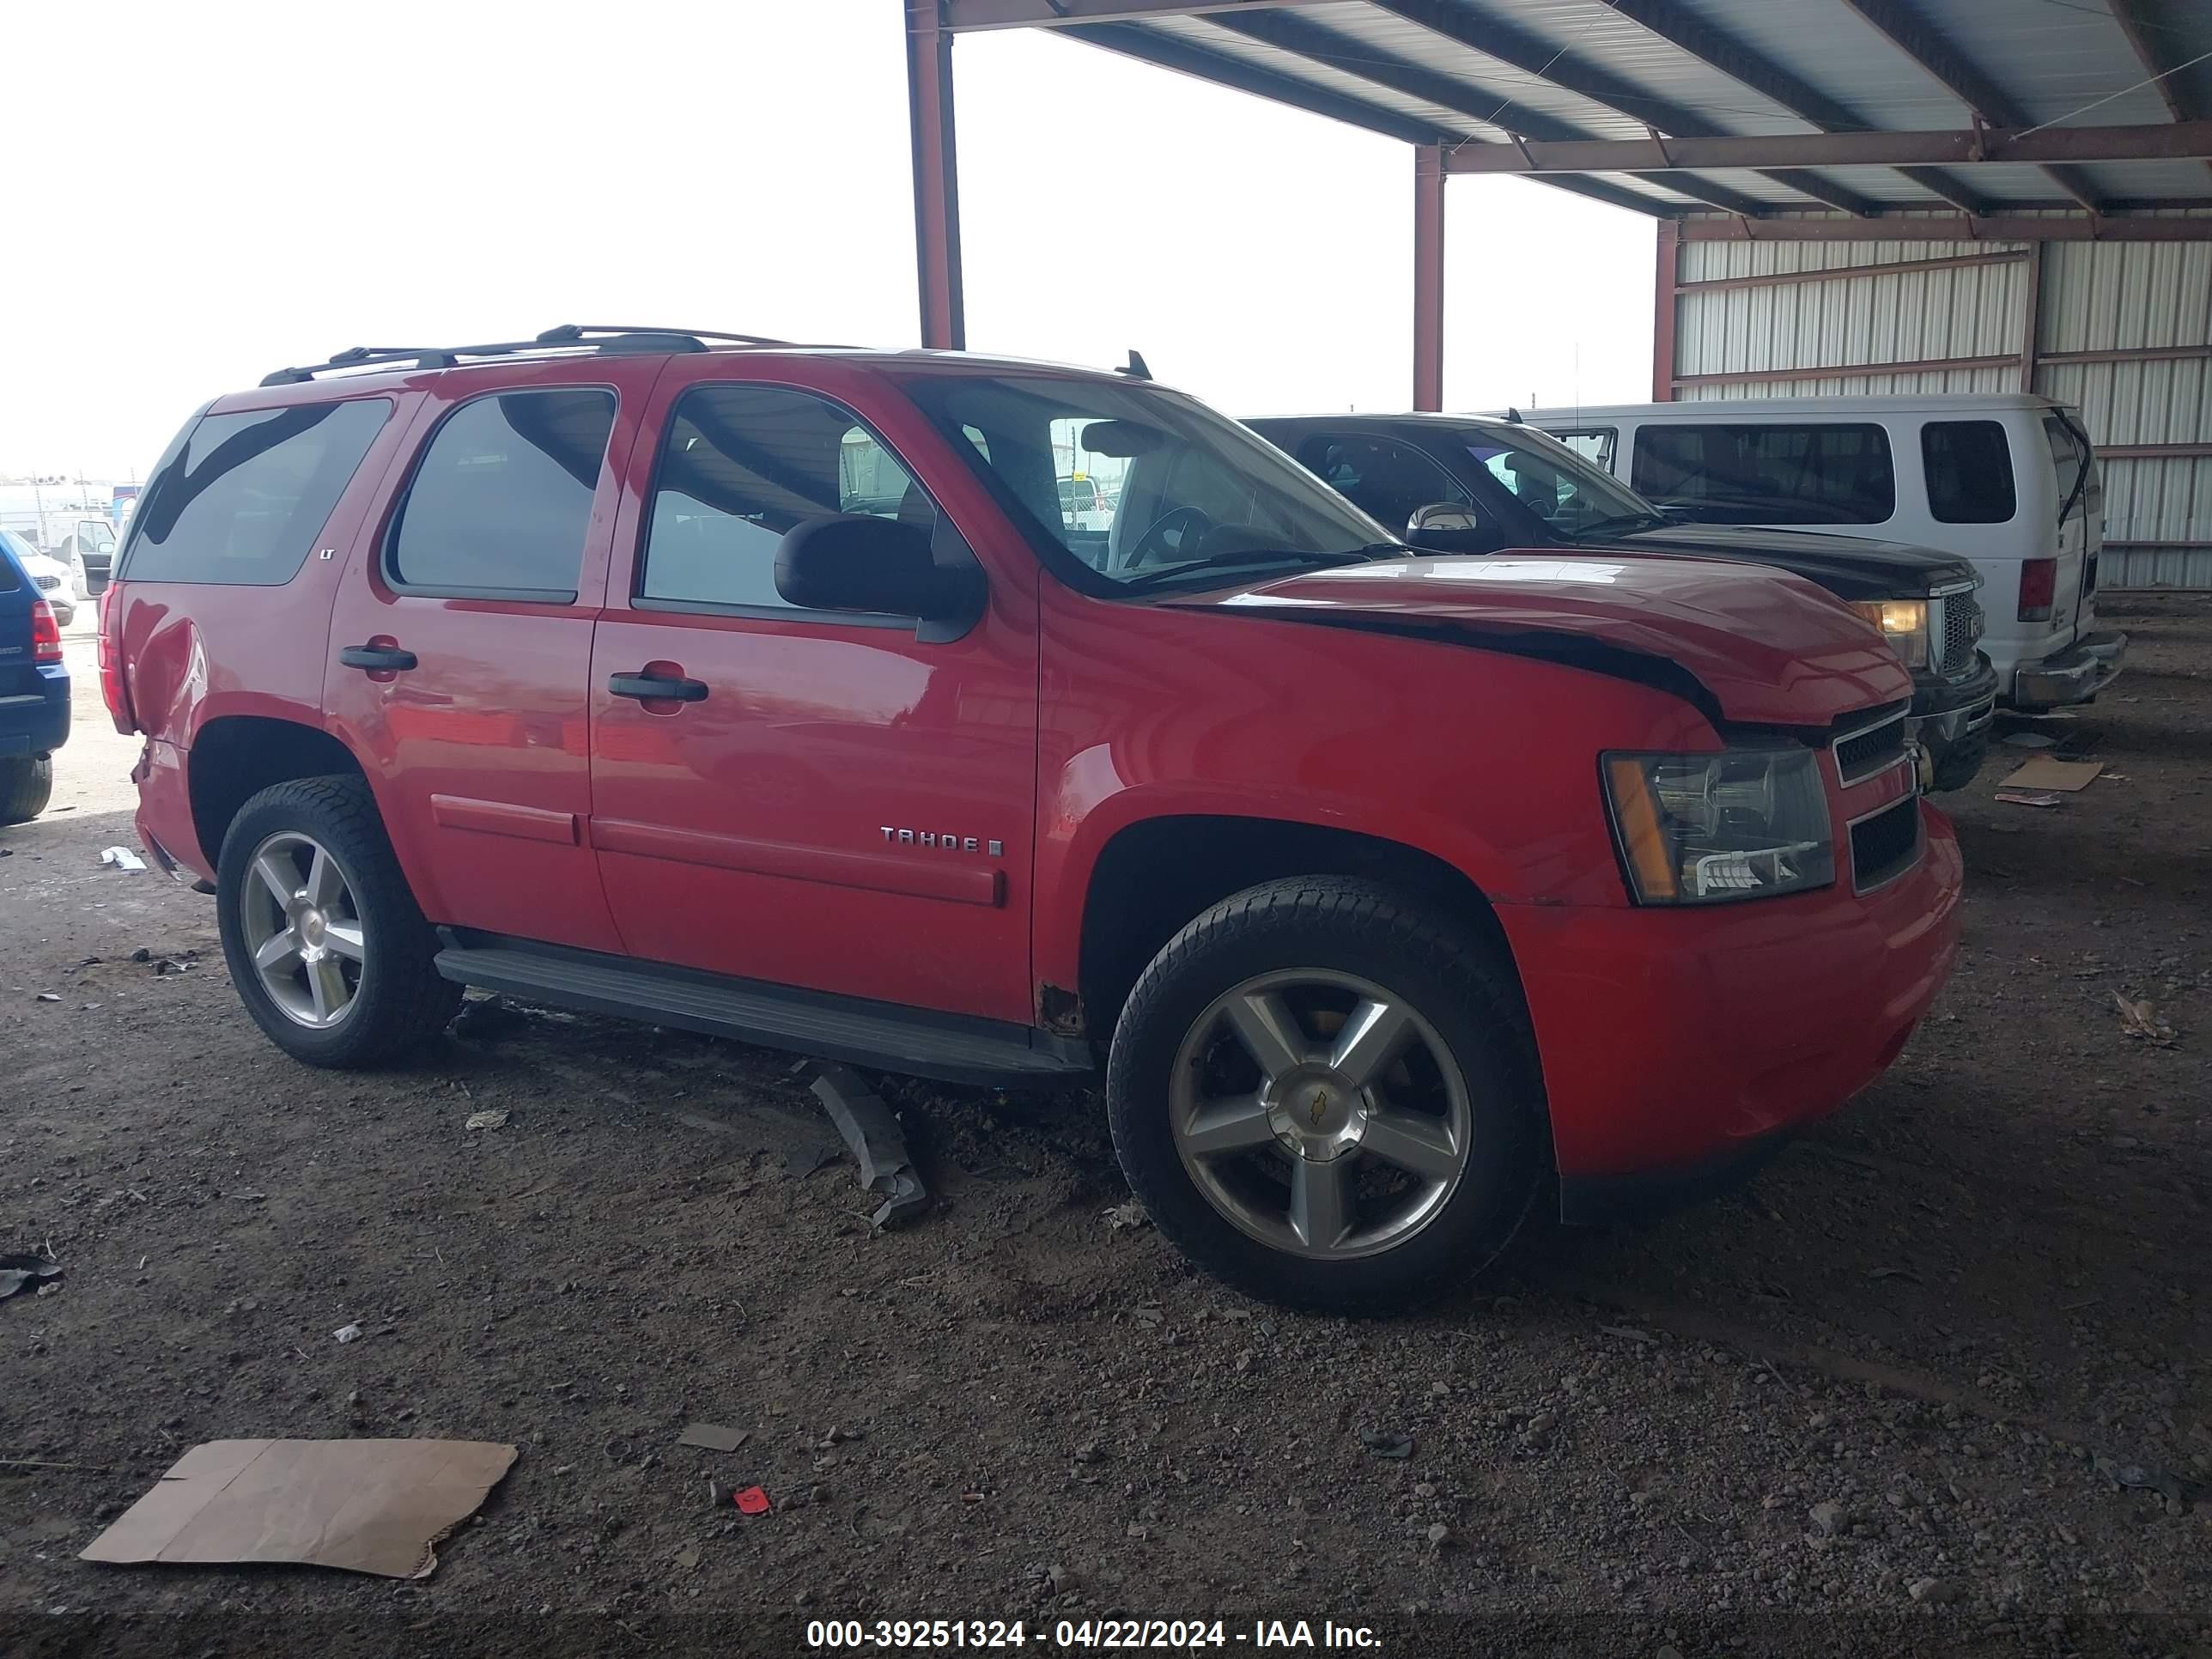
point(1386, 889)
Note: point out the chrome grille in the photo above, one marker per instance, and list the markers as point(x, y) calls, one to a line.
point(1961, 631)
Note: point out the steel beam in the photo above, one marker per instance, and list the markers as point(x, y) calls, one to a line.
point(2165, 141)
point(1924, 44)
point(1685, 32)
point(1838, 273)
point(1845, 371)
point(936, 177)
point(1428, 277)
point(2030, 329)
point(1947, 227)
point(1666, 291)
point(967, 16)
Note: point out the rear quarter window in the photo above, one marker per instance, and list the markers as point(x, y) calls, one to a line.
point(1969, 466)
point(244, 499)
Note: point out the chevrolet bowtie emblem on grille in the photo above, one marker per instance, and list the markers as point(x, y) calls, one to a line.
point(939, 842)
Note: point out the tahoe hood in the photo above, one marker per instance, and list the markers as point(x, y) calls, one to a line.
point(1767, 648)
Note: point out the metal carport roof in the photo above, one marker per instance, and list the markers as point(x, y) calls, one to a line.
point(2011, 120)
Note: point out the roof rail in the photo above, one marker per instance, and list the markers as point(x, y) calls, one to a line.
point(581, 336)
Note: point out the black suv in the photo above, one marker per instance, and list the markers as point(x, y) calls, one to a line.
point(1469, 483)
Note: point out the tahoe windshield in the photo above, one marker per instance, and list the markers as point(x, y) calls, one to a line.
point(1546, 478)
point(1186, 496)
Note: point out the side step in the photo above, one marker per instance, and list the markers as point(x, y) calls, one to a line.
point(950, 1048)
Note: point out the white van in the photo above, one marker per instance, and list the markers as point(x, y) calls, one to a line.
point(2005, 480)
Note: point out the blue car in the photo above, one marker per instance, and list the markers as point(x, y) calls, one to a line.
point(34, 694)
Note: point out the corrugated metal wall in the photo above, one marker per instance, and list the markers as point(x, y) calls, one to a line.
point(1963, 326)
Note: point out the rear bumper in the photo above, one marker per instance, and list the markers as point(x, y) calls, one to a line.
point(36, 722)
point(165, 823)
point(1675, 1041)
point(2074, 675)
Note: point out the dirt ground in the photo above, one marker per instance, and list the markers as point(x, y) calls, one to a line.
point(1883, 1401)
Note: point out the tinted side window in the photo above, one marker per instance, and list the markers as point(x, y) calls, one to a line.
point(740, 465)
point(1786, 474)
point(1969, 472)
point(245, 497)
point(1385, 480)
point(500, 502)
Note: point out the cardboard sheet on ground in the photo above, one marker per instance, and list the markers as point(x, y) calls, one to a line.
point(364, 1506)
point(2045, 773)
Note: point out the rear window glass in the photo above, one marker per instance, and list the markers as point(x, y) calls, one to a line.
point(499, 506)
point(1969, 472)
point(2070, 458)
point(244, 500)
point(1785, 474)
point(11, 544)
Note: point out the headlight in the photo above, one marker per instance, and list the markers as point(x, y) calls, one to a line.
point(1904, 623)
point(1703, 829)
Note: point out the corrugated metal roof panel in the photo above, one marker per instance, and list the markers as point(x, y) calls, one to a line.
point(2048, 59)
point(1506, 88)
point(1197, 32)
point(1832, 49)
point(1593, 31)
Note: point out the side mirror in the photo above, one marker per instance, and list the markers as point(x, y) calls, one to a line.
point(857, 562)
point(1449, 527)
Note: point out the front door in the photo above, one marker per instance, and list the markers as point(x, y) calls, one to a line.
point(823, 800)
point(461, 644)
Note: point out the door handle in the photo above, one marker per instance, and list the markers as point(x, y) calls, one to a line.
point(651, 688)
point(377, 659)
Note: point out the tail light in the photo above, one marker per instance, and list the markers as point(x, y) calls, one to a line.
point(45, 633)
point(2038, 588)
point(114, 690)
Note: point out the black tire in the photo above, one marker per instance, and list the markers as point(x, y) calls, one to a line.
point(25, 786)
point(1956, 767)
point(399, 1001)
point(1455, 982)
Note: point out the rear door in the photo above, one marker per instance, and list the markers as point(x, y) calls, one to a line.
point(2079, 493)
point(833, 781)
point(461, 642)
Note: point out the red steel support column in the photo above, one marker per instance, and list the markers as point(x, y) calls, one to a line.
point(2031, 327)
point(936, 176)
point(1666, 290)
point(1429, 276)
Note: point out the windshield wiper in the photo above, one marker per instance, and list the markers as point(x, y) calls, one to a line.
point(1248, 555)
point(1620, 521)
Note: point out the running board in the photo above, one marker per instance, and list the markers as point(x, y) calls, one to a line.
point(950, 1048)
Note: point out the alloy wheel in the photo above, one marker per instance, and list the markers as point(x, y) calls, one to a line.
point(1320, 1113)
point(302, 929)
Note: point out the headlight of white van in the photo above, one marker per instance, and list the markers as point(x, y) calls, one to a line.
point(1904, 623)
point(1706, 829)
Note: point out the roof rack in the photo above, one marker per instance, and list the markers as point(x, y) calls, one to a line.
point(582, 336)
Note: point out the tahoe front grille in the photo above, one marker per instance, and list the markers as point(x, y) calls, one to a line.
point(1872, 743)
point(1962, 631)
point(1885, 844)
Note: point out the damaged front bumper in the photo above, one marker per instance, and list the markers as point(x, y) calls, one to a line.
point(1951, 721)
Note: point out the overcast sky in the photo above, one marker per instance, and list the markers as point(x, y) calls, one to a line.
point(199, 193)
